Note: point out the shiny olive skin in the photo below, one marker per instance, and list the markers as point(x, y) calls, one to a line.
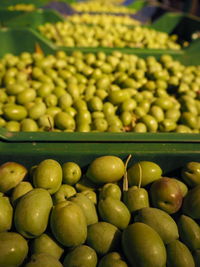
point(105, 169)
point(13, 126)
point(148, 170)
point(13, 249)
point(15, 112)
point(81, 256)
point(150, 122)
point(64, 121)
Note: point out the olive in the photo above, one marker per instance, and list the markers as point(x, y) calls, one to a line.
point(12, 126)
point(100, 124)
point(64, 121)
point(140, 127)
point(157, 113)
point(150, 123)
point(189, 119)
point(167, 125)
point(15, 112)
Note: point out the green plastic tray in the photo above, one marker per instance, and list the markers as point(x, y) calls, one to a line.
point(169, 156)
point(30, 19)
point(98, 137)
point(182, 24)
point(11, 43)
point(137, 5)
point(6, 15)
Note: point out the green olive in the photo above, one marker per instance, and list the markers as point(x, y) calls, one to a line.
point(97, 115)
point(52, 111)
point(117, 97)
point(51, 100)
point(126, 118)
point(115, 129)
point(80, 105)
point(59, 91)
point(183, 129)
point(173, 114)
point(3, 95)
point(65, 101)
point(167, 125)
point(145, 105)
point(108, 109)
point(164, 102)
point(83, 127)
point(139, 112)
point(100, 124)
point(150, 123)
point(140, 127)
point(102, 94)
point(12, 126)
point(157, 113)
point(71, 111)
point(189, 119)
point(73, 90)
point(114, 120)
point(36, 111)
point(103, 83)
point(95, 104)
point(16, 88)
point(29, 125)
point(2, 122)
point(46, 122)
point(64, 121)
point(128, 105)
point(83, 116)
point(15, 112)
point(44, 90)
point(26, 96)
point(89, 92)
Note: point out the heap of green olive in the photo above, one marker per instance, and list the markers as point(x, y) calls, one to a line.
point(101, 6)
point(107, 35)
point(22, 7)
point(98, 92)
point(102, 19)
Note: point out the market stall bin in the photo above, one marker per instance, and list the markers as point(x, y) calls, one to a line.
point(168, 160)
point(33, 42)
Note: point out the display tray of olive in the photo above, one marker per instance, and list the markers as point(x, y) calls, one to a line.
point(99, 205)
point(98, 92)
point(166, 33)
point(102, 7)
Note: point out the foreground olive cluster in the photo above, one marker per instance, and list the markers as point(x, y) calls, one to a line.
point(109, 215)
point(102, 19)
point(107, 35)
point(98, 92)
point(101, 6)
point(22, 7)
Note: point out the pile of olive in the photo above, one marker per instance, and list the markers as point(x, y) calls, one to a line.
point(22, 7)
point(98, 92)
point(99, 6)
point(102, 19)
point(61, 215)
point(107, 35)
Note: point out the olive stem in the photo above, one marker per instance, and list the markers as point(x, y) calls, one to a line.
point(125, 180)
point(50, 125)
point(140, 175)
